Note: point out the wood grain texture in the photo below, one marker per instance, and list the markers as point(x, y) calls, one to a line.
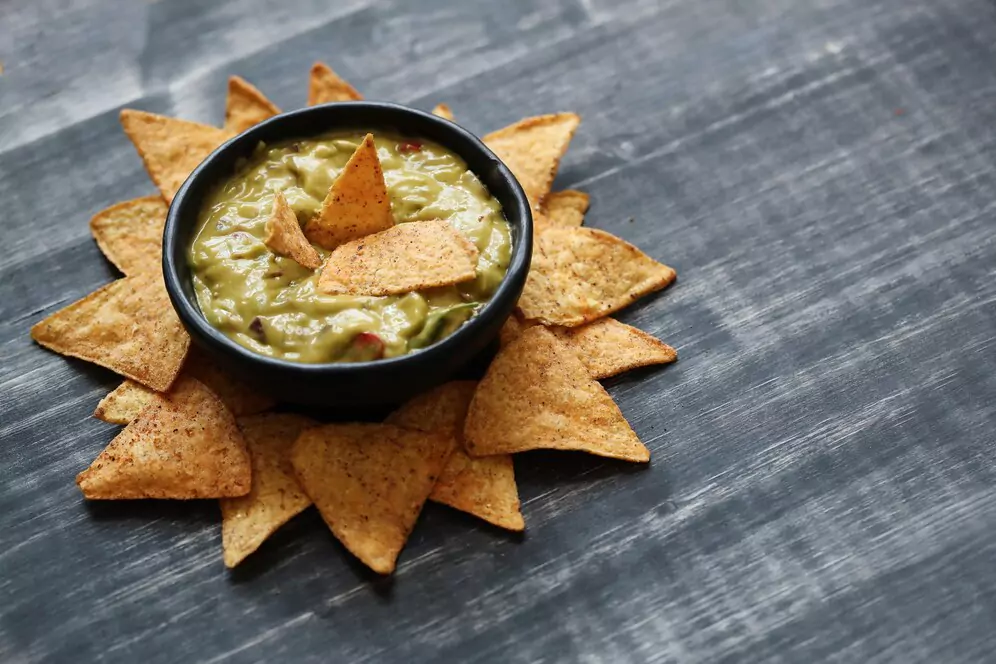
point(823, 485)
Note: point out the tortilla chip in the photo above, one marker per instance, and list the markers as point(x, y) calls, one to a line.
point(566, 208)
point(131, 234)
point(443, 111)
point(127, 326)
point(537, 395)
point(325, 86)
point(125, 402)
point(409, 257)
point(532, 149)
point(607, 347)
point(275, 497)
point(171, 149)
point(185, 446)
point(285, 237)
point(369, 481)
point(580, 274)
point(483, 487)
point(357, 203)
point(512, 328)
point(246, 106)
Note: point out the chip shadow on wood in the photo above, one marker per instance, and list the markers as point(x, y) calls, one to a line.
point(203, 512)
point(538, 471)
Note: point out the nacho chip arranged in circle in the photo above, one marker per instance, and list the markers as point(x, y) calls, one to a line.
point(285, 237)
point(170, 148)
point(128, 326)
point(357, 203)
point(124, 403)
point(532, 149)
point(131, 233)
point(443, 111)
point(566, 208)
point(246, 106)
point(184, 446)
point(538, 395)
point(484, 487)
point(326, 86)
point(580, 274)
point(408, 257)
point(275, 497)
point(607, 347)
point(369, 481)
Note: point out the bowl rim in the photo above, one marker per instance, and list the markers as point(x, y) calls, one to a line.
point(196, 323)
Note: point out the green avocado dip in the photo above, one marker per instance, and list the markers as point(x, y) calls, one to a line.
point(271, 305)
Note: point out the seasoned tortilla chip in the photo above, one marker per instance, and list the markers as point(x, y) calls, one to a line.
point(512, 328)
point(275, 497)
point(607, 347)
point(124, 403)
point(127, 326)
point(325, 86)
point(566, 208)
point(537, 395)
point(131, 233)
point(185, 446)
point(357, 203)
point(532, 149)
point(246, 106)
point(408, 257)
point(580, 274)
point(369, 481)
point(483, 487)
point(285, 237)
point(170, 148)
point(443, 111)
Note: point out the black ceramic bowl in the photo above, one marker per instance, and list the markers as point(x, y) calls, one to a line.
point(341, 386)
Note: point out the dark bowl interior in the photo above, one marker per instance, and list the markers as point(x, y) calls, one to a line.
point(342, 387)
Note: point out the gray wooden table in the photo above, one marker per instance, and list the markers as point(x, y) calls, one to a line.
point(821, 174)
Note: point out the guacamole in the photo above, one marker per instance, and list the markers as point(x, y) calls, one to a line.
point(271, 304)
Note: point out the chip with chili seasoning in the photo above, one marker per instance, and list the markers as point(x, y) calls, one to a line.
point(532, 149)
point(566, 208)
point(285, 237)
point(369, 482)
point(170, 148)
point(246, 106)
point(357, 203)
point(580, 274)
point(408, 257)
point(127, 326)
point(275, 497)
point(131, 233)
point(443, 111)
point(326, 86)
point(538, 395)
point(484, 487)
point(184, 446)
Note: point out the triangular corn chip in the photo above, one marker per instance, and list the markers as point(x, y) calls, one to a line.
point(285, 237)
point(171, 149)
point(186, 446)
point(532, 149)
point(246, 106)
point(537, 395)
point(357, 203)
point(275, 497)
point(369, 481)
point(131, 233)
point(580, 274)
point(566, 208)
point(484, 487)
point(408, 257)
point(124, 403)
point(127, 326)
point(607, 347)
point(512, 327)
point(443, 111)
point(325, 86)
